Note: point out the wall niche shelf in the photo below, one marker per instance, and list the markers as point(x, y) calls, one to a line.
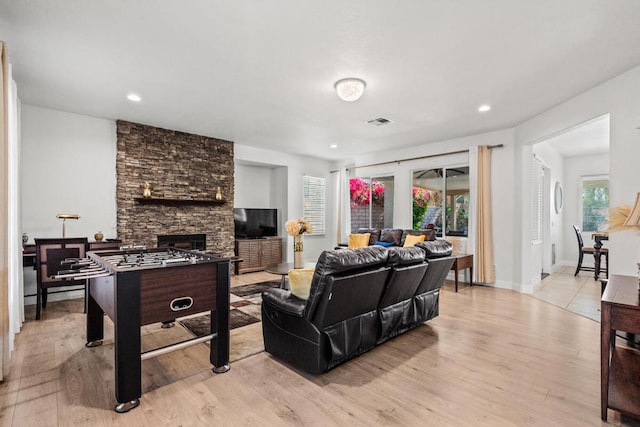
point(174, 202)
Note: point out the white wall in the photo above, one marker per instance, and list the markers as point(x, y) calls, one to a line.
point(620, 97)
point(555, 232)
point(575, 169)
point(68, 166)
point(253, 186)
point(285, 192)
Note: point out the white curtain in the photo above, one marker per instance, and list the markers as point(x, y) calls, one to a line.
point(11, 295)
point(344, 208)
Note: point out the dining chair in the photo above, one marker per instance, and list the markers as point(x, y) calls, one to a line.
point(50, 252)
point(590, 251)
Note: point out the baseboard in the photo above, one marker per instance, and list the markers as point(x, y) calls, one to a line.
point(500, 284)
point(56, 297)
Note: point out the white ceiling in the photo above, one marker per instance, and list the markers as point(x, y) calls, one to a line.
point(584, 139)
point(261, 73)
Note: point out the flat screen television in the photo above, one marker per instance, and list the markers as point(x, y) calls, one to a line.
point(253, 223)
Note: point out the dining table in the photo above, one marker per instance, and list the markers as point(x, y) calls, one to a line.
point(599, 237)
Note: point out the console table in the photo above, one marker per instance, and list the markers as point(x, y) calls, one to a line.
point(463, 261)
point(619, 366)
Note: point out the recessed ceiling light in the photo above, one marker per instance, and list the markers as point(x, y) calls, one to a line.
point(484, 108)
point(134, 97)
point(333, 146)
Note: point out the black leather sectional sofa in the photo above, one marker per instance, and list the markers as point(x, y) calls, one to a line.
point(358, 299)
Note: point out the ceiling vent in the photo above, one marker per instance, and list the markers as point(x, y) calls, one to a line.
point(379, 121)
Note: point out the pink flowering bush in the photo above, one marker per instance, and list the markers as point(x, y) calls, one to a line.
point(359, 190)
point(420, 204)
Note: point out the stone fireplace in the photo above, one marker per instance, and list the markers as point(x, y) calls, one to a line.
point(184, 172)
point(183, 241)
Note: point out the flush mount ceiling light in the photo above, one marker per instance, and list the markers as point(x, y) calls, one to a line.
point(134, 97)
point(350, 89)
point(484, 108)
point(333, 146)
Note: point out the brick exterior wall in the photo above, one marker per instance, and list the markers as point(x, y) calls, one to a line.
point(360, 217)
point(176, 164)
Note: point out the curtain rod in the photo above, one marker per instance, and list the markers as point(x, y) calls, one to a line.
point(490, 147)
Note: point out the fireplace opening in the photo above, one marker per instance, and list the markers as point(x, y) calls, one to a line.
point(183, 241)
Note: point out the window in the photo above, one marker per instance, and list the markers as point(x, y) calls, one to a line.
point(314, 203)
point(371, 202)
point(595, 202)
point(441, 197)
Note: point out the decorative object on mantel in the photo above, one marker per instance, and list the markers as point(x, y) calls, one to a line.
point(218, 194)
point(65, 217)
point(624, 216)
point(147, 190)
point(296, 228)
point(25, 238)
point(98, 236)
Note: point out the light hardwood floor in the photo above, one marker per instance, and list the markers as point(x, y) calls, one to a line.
point(493, 357)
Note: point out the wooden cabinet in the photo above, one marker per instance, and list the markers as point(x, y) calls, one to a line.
point(620, 367)
point(258, 254)
point(106, 245)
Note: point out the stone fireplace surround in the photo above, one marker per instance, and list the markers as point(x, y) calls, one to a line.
point(183, 241)
point(178, 166)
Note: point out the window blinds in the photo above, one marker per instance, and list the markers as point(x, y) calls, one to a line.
point(537, 182)
point(314, 203)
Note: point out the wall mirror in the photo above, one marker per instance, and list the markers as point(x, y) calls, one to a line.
point(557, 197)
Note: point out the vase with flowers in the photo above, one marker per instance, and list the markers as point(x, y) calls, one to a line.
point(296, 228)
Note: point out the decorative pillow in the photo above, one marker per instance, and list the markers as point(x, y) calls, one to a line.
point(391, 235)
point(385, 244)
point(300, 282)
point(375, 234)
point(411, 240)
point(359, 240)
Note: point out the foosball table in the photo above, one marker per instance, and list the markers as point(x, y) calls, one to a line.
point(137, 287)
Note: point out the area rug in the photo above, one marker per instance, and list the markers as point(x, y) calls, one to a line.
point(254, 289)
point(244, 320)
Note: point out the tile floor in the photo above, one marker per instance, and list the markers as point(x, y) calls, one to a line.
point(578, 294)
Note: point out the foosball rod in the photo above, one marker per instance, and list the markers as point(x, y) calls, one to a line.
point(172, 347)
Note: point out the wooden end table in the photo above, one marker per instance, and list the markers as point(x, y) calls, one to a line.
point(281, 269)
point(463, 261)
point(619, 366)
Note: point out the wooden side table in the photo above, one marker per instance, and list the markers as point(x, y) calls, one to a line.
point(463, 261)
point(619, 367)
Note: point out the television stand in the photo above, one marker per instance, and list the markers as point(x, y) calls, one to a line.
point(257, 253)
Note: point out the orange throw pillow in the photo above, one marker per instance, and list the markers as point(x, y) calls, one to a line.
point(359, 240)
point(411, 240)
